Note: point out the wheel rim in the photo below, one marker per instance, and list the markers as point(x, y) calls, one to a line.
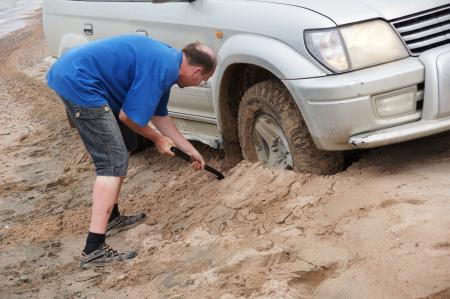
point(271, 144)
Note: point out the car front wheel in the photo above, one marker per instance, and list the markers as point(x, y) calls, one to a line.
point(272, 130)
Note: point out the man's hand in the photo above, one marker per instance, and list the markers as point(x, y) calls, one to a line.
point(167, 128)
point(163, 145)
point(197, 160)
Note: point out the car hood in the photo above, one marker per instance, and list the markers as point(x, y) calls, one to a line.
point(348, 11)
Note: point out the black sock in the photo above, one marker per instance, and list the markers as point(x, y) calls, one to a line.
point(115, 213)
point(93, 242)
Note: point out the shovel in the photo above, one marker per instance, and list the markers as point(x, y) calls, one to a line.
point(186, 157)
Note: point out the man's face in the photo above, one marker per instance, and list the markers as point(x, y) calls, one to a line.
point(194, 77)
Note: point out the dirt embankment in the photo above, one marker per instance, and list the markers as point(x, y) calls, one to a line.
point(381, 229)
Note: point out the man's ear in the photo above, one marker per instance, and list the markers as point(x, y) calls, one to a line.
point(198, 70)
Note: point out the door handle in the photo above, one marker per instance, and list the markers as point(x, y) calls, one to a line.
point(88, 29)
point(142, 32)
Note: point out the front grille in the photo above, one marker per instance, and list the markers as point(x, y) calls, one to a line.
point(425, 30)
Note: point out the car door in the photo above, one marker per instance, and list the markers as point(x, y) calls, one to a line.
point(170, 22)
point(102, 18)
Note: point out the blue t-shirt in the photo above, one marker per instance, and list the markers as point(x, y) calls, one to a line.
point(129, 72)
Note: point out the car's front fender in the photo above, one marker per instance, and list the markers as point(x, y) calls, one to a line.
point(272, 55)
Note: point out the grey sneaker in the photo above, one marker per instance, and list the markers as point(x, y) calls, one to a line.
point(121, 223)
point(104, 255)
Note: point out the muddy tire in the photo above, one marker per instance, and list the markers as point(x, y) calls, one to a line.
point(268, 107)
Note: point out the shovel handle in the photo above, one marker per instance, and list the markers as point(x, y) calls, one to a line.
point(186, 157)
point(181, 154)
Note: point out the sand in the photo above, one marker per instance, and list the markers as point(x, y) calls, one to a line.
point(379, 229)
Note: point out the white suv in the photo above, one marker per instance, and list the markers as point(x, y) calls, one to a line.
point(298, 81)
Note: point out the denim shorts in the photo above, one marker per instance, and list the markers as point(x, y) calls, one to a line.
point(101, 134)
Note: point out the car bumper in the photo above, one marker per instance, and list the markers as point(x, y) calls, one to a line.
point(340, 109)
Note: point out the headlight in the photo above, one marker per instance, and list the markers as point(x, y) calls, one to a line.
point(327, 47)
point(355, 46)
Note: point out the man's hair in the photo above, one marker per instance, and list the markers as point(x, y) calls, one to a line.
point(195, 56)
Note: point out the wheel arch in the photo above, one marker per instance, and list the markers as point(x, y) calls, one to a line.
point(69, 41)
point(239, 68)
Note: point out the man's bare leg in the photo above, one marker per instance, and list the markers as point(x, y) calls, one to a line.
point(96, 252)
point(105, 195)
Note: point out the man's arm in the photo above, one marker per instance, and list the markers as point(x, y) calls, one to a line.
point(165, 125)
point(170, 137)
point(162, 143)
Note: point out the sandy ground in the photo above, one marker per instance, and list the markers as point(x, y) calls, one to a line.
point(380, 229)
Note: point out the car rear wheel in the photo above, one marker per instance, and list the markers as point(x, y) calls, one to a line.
point(272, 130)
